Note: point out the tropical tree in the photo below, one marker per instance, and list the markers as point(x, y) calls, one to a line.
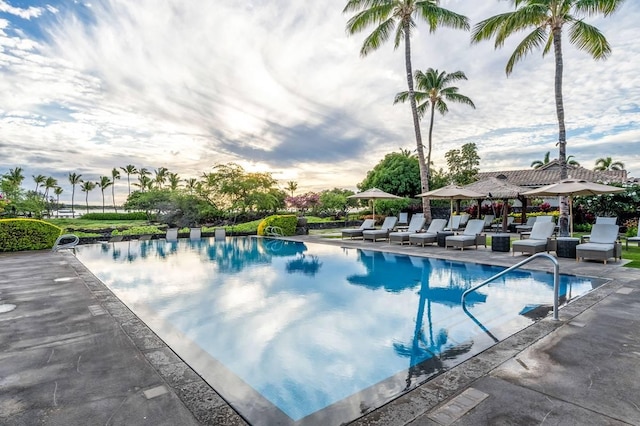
point(104, 183)
point(144, 182)
point(86, 187)
point(57, 191)
point(292, 186)
point(572, 162)
point(396, 174)
point(39, 180)
point(74, 179)
point(191, 185)
point(115, 174)
point(539, 163)
point(49, 183)
point(547, 18)
point(463, 164)
point(161, 176)
point(15, 176)
point(607, 163)
point(129, 170)
point(174, 180)
point(397, 18)
point(433, 93)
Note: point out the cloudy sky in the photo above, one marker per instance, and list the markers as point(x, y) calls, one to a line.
point(278, 86)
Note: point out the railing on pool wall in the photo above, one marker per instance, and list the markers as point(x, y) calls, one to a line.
point(556, 272)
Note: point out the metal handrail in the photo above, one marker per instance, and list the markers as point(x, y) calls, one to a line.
point(556, 272)
point(74, 241)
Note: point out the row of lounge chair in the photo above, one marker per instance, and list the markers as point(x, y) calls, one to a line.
point(602, 244)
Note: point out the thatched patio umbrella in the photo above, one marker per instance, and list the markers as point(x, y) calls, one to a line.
point(501, 189)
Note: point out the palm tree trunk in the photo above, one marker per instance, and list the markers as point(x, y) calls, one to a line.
point(424, 168)
point(433, 111)
point(87, 201)
point(129, 183)
point(103, 201)
point(73, 193)
point(113, 195)
point(562, 136)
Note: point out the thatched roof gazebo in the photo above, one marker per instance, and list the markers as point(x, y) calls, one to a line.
point(496, 188)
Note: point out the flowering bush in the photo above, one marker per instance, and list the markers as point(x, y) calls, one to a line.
point(304, 202)
point(545, 207)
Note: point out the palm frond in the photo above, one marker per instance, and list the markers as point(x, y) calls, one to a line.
point(588, 38)
point(486, 29)
point(442, 107)
point(533, 40)
point(593, 7)
point(377, 37)
point(436, 16)
point(460, 99)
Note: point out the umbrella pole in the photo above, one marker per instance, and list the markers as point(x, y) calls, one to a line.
point(570, 216)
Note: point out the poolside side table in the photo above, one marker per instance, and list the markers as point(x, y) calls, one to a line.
point(566, 247)
point(442, 237)
point(501, 242)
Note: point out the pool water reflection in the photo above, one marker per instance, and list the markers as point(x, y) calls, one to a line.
point(307, 333)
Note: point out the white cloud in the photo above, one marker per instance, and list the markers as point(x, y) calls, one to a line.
point(279, 84)
point(28, 13)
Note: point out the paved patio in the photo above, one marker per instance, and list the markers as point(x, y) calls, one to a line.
point(72, 354)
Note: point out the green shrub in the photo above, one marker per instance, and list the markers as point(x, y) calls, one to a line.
point(115, 216)
point(286, 222)
point(27, 234)
point(139, 230)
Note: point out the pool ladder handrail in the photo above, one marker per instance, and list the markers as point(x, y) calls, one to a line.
point(556, 272)
point(69, 245)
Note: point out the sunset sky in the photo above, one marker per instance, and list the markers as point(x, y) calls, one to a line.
point(279, 86)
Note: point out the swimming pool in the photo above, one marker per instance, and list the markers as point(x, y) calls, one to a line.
point(294, 333)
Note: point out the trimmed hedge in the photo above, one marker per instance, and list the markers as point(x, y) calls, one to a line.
point(27, 234)
point(287, 223)
point(115, 216)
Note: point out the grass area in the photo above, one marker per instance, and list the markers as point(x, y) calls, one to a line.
point(632, 254)
point(70, 225)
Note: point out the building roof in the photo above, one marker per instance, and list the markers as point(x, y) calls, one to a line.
point(495, 187)
point(550, 173)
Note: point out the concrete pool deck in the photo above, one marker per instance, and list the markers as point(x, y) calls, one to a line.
point(72, 354)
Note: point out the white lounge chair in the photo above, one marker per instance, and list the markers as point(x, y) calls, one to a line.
point(403, 218)
point(382, 233)
point(357, 232)
point(602, 244)
point(602, 220)
point(416, 224)
point(488, 220)
point(430, 235)
point(539, 239)
point(527, 226)
point(195, 233)
point(472, 236)
point(453, 224)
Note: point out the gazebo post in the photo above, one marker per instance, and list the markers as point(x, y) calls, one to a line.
point(478, 213)
point(523, 217)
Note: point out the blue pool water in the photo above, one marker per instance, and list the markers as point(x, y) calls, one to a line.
point(307, 333)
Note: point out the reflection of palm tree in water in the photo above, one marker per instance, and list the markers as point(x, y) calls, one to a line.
point(427, 353)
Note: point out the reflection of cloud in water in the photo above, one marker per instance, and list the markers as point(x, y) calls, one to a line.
point(305, 340)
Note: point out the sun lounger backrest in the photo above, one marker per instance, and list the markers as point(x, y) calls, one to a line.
point(464, 218)
point(416, 224)
point(541, 230)
point(474, 227)
point(544, 218)
point(531, 221)
point(389, 223)
point(604, 234)
point(436, 226)
point(488, 218)
point(602, 220)
point(368, 224)
point(454, 222)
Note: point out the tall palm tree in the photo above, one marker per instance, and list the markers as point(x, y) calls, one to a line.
point(129, 170)
point(539, 163)
point(49, 183)
point(57, 190)
point(547, 18)
point(174, 181)
point(15, 176)
point(144, 182)
point(161, 176)
point(104, 183)
point(398, 18)
point(292, 186)
point(115, 174)
point(433, 92)
point(87, 186)
point(74, 179)
point(39, 180)
point(607, 163)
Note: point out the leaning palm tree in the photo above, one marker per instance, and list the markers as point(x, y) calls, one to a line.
point(607, 163)
point(57, 191)
point(49, 183)
point(161, 176)
point(87, 187)
point(74, 179)
point(539, 163)
point(104, 183)
point(129, 170)
point(397, 18)
point(15, 176)
point(39, 180)
point(433, 92)
point(191, 185)
point(115, 174)
point(292, 185)
point(546, 18)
